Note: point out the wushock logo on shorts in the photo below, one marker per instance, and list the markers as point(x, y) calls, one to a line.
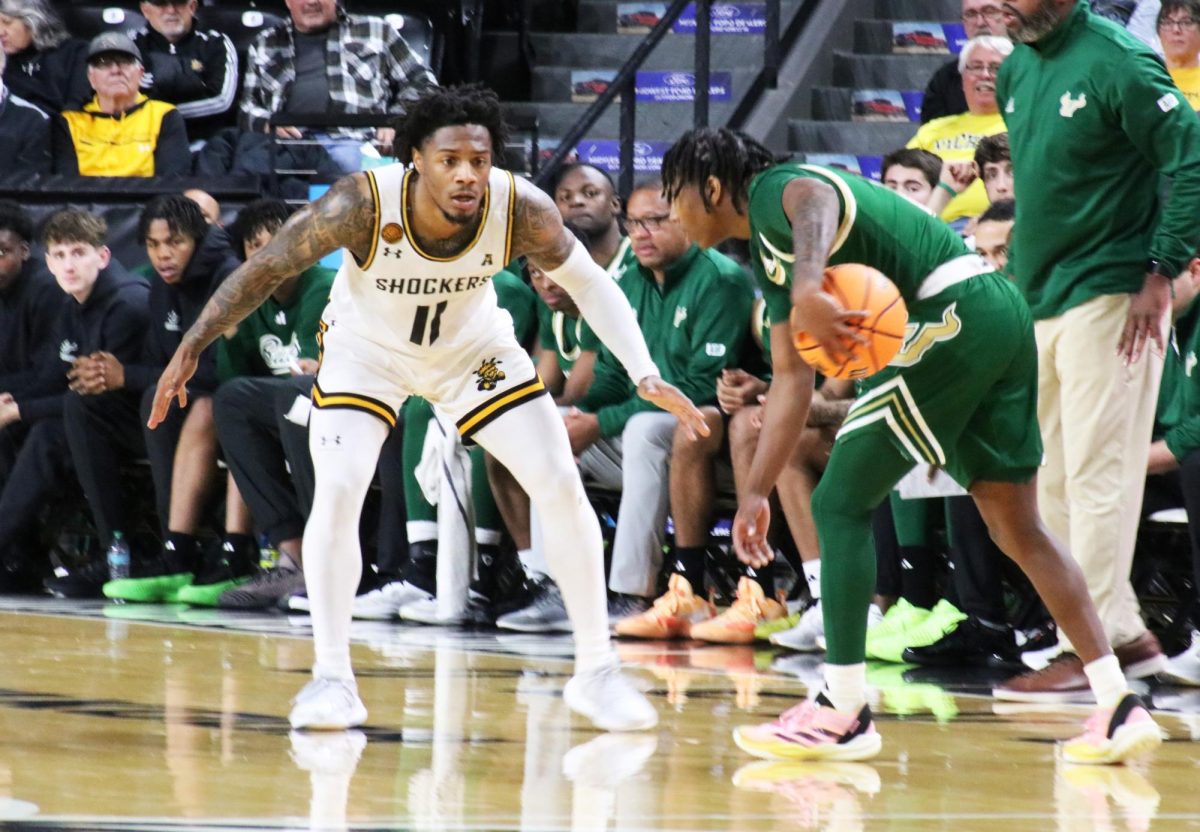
point(489, 375)
point(920, 338)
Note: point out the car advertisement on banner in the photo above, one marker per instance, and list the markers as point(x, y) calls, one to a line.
point(878, 105)
point(919, 39)
point(606, 154)
point(724, 18)
point(588, 84)
point(870, 167)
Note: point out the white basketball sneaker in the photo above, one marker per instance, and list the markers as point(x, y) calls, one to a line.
point(328, 705)
point(607, 698)
point(803, 637)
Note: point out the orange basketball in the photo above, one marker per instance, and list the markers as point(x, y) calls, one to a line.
point(856, 286)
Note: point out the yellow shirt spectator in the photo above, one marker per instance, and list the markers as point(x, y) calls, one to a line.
point(953, 139)
point(1188, 81)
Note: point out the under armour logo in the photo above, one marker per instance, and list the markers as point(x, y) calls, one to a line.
point(388, 251)
point(1068, 106)
point(487, 260)
point(326, 441)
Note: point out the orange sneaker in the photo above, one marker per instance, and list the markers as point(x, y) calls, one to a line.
point(671, 616)
point(736, 625)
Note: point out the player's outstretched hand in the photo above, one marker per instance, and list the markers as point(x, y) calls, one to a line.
point(172, 385)
point(750, 531)
point(668, 397)
point(1147, 309)
point(819, 314)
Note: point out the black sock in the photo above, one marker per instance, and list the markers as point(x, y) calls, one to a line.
point(918, 582)
point(239, 542)
point(689, 562)
point(181, 551)
point(421, 568)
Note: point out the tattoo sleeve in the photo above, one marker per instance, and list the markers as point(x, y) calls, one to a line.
point(538, 231)
point(812, 208)
point(342, 218)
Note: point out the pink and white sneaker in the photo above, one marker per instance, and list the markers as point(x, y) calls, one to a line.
point(813, 730)
point(1114, 735)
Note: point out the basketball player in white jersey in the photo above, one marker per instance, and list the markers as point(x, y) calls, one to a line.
point(413, 312)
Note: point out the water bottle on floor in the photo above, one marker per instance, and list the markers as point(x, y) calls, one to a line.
point(118, 558)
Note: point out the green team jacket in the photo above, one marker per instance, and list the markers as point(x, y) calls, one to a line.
point(270, 340)
point(1178, 417)
point(695, 326)
point(1093, 118)
point(566, 336)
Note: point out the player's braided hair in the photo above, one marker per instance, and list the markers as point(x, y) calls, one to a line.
point(449, 107)
point(261, 215)
point(731, 156)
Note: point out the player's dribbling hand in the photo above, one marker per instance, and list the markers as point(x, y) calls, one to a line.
point(172, 385)
point(750, 531)
point(1144, 323)
point(668, 397)
point(817, 313)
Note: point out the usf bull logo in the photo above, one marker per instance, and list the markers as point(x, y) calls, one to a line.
point(919, 338)
point(489, 375)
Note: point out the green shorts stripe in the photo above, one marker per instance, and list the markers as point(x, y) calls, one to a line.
point(893, 402)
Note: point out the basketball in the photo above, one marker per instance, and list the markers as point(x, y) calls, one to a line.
point(856, 286)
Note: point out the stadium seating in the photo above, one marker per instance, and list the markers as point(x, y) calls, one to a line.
point(242, 22)
point(86, 20)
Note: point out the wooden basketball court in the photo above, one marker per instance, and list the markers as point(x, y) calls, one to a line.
point(135, 718)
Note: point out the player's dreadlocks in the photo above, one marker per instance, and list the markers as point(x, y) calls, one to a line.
point(182, 216)
point(731, 156)
point(449, 107)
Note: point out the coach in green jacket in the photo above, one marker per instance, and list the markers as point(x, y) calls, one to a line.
point(1093, 119)
point(693, 307)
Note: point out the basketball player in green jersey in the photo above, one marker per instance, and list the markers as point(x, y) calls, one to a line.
point(961, 394)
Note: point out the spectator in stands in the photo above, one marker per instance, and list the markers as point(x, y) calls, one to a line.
point(190, 258)
point(1174, 465)
point(322, 61)
point(1098, 287)
point(954, 138)
point(30, 305)
point(991, 165)
point(24, 133)
point(120, 132)
point(192, 68)
point(209, 207)
point(694, 308)
point(912, 173)
point(107, 311)
point(1179, 29)
point(993, 232)
point(944, 93)
point(587, 198)
point(46, 66)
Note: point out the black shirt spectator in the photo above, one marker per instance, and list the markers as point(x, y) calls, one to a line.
point(24, 134)
point(944, 92)
point(192, 68)
point(45, 66)
point(30, 302)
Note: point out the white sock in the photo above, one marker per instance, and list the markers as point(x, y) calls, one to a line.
point(1107, 681)
point(846, 686)
point(812, 574)
point(421, 531)
point(487, 537)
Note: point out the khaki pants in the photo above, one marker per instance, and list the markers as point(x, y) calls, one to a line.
point(1096, 417)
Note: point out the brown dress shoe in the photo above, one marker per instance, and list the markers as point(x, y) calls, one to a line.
point(1141, 657)
point(1063, 680)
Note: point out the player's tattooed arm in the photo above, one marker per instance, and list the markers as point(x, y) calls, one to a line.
point(813, 210)
point(538, 231)
point(342, 218)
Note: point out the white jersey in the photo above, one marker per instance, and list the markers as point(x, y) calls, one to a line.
point(409, 301)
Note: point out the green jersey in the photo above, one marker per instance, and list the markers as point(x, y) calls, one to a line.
point(1178, 417)
point(516, 298)
point(1093, 119)
point(567, 337)
point(269, 341)
point(876, 227)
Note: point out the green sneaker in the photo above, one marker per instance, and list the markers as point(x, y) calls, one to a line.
point(206, 595)
point(900, 618)
point(224, 568)
point(942, 619)
point(765, 630)
point(159, 589)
